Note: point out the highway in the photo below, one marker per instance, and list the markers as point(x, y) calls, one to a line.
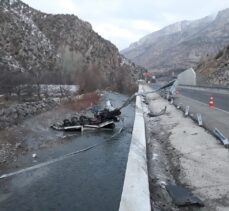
point(217, 117)
point(221, 101)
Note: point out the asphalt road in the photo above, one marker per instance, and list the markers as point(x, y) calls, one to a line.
point(221, 101)
point(91, 180)
point(217, 117)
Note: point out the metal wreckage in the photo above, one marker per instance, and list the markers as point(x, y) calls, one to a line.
point(106, 118)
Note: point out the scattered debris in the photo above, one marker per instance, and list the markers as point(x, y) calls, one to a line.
point(158, 114)
point(182, 196)
point(109, 106)
point(18, 145)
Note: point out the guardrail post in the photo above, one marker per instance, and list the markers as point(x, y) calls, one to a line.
point(186, 111)
point(178, 106)
point(221, 137)
point(171, 101)
point(199, 119)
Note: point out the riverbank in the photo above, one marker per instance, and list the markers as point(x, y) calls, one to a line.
point(37, 119)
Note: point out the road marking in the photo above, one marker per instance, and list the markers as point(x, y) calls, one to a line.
point(206, 104)
point(207, 90)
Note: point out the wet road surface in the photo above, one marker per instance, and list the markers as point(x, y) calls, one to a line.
point(90, 180)
point(220, 100)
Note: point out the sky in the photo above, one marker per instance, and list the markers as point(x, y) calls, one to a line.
point(126, 21)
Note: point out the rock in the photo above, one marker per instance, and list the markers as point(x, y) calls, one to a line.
point(56, 43)
point(19, 112)
point(18, 145)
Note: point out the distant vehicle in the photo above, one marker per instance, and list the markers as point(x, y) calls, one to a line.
point(153, 79)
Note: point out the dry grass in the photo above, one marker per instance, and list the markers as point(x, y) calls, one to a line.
point(83, 102)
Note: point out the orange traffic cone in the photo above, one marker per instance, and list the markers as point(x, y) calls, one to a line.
point(211, 102)
point(177, 92)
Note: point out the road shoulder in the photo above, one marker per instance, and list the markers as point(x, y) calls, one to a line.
point(195, 159)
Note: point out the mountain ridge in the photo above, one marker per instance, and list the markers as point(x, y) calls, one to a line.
point(181, 45)
point(64, 46)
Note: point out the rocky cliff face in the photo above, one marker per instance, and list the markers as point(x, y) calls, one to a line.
point(63, 46)
point(216, 69)
point(181, 45)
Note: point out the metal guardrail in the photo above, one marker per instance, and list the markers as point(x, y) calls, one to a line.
point(186, 110)
point(199, 119)
point(221, 137)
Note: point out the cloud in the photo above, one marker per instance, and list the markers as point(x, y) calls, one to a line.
point(120, 36)
point(67, 6)
point(124, 32)
point(123, 22)
point(145, 25)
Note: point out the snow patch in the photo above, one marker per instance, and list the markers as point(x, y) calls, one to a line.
point(125, 61)
point(12, 1)
point(34, 29)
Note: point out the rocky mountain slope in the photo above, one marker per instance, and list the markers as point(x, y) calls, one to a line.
point(216, 69)
point(181, 45)
point(59, 48)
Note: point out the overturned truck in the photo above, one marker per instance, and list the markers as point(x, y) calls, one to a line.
point(104, 119)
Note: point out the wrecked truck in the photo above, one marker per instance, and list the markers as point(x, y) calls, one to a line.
point(103, 119)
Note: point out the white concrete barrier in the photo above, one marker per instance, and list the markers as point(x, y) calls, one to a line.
point(136, 195)
point(187, 77)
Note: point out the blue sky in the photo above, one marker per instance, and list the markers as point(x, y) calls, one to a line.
point(126, 21)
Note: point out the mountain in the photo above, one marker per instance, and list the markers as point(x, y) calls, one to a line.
point(181, 45)
point(215, 70)
point(60, 49)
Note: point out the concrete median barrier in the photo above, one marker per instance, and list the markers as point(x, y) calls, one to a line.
point(136, 195)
